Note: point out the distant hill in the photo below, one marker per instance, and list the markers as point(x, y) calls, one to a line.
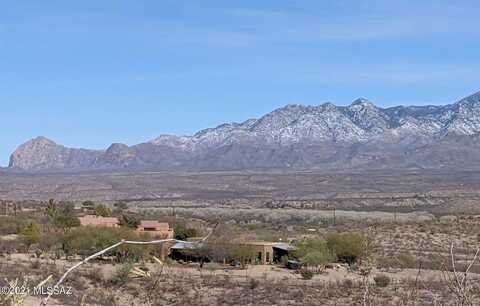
point(358, 136)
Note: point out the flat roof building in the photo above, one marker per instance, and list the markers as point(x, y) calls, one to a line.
point(92, 220)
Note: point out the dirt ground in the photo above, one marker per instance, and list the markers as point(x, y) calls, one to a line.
point(223, 281)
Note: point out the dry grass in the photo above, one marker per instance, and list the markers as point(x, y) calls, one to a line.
point(168, 286)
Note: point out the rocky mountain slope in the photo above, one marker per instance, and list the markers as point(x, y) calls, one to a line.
point(360, 135)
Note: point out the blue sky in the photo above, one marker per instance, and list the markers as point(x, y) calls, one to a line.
point(89, 73)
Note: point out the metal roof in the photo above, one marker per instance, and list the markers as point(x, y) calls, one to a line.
point(284, 246)
point(185, 245)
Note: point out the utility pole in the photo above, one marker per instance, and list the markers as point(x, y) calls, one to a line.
point(394, 210)
point(334, 216)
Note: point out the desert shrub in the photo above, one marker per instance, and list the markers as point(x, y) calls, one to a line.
point(11, 225)
point(306, 274)
point(49, 241)
point(406, 261)
point(386, 262)
point(182, 232)
point(35, 265)
point(436, 263)
point(288, 216)
point(9, 246)
point(100, 298)
point(87, 240)
point(31, 234)
point(93, 275)
point(120, 277)
point(347, 247)
point(212, 266)
point(253, 283)
point(347, 283)
point(381, 280)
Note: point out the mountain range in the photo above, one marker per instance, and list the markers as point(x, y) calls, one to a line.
point(323, 137)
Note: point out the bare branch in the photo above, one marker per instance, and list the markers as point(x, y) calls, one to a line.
point(470, 266)
point(459, 288)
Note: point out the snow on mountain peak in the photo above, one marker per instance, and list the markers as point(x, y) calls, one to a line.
point(294, 135)
point(360, 121)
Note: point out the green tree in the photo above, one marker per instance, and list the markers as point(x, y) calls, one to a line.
point(66, 221)
point(62, 215)
point(348, 247)
point(309, 246)
point(51, 210)
point(314, 253)
point(102, 210)
point(242, 253)
point(182, 232)
point(317, 259)
point(129, 221)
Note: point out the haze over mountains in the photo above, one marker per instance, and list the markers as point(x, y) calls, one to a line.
point(358, 136)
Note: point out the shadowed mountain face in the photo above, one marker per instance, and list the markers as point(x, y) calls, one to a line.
point(361, 135)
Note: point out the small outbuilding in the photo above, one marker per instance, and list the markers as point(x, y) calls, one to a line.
point(155, 229)
point(270, 252)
